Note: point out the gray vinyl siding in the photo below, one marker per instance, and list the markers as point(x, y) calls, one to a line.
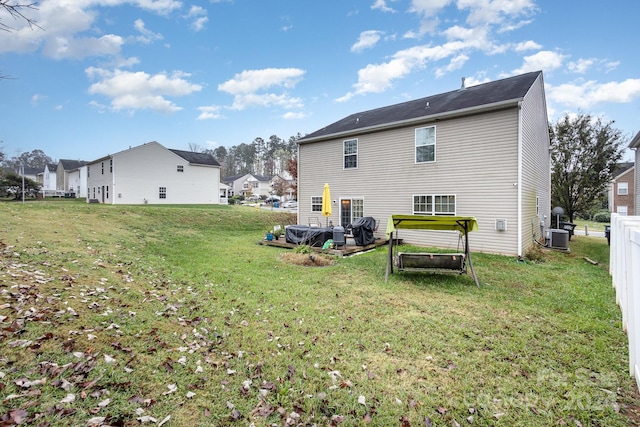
point(476, 160)
point(536, 175)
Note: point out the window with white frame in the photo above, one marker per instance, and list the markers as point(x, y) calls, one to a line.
point(623, 188)
point(180, 168)
point(162, 193)
point(350, 153)
point(621, 210)
point(426, 144)
point(434, 204)
point(316, 204)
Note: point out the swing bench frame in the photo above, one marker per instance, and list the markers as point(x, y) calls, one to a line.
point(430, 262)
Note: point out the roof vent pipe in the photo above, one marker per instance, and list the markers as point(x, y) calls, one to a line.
point(462, 86)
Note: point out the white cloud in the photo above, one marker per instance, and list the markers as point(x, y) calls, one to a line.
point(545, 60)
point(382, 6)
point(210, 112)
point(428, 10)
point(199, 16)
point(76, 48)
point(586, 94)
point(455, 64)
point(503, 13)
point(63, 22)
point(290, 115)
point(528, 45)
point(162, 7)
point(146, 36)
point(367, 40)
point(581, 65)
point(247, 85)
point(376, 78)
point(139, 90)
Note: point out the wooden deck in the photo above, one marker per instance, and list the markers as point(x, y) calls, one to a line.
point(348, 249)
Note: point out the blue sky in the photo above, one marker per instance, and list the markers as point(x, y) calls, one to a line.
point(103, 75)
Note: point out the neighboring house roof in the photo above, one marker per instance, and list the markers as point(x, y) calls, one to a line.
point(621, 168)
point(262, 178)
point(69, 165)
point(635, 142)
point(496, 93)
point(196, 158)
point(52, 167)
point(31, 171)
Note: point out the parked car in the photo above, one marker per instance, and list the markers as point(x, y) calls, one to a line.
point(290, 204)
point(272, 199)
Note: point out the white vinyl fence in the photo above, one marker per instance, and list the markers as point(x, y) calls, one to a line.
point(624, 267)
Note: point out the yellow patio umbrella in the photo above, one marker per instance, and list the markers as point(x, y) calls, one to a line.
point(326, 202)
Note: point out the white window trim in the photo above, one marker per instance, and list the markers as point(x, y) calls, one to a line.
point(312, 204)
point(624, 187)
point(415, 145)
point(356, 154)
point(433, 212)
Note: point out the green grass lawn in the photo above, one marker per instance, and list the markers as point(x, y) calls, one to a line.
point(592, 225)
point(122, 315)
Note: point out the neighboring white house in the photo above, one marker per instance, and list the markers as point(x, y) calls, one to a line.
point(151, 173)
point(77, 182)
point(64, 181)
point(635, 146)
point(478, 151)
point(249, 185)
point(47, 178)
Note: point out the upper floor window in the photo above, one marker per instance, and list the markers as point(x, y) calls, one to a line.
point(623, 188)
point(180, 168)
point(426, 144)
point(350, 153)
point(316, 204)
point(436, 204)
point(111, 165)
point(162, 192)
point(102, 168)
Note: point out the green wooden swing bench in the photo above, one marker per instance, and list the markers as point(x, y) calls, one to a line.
point(430, 262)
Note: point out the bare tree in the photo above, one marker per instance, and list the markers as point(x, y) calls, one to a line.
point(15, 10)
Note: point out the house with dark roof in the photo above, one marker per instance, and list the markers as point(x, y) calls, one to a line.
point(635, 146)
point(249, 184)
point(478, 151)
point(151, 173)
point(71, 177)
point(621, 194)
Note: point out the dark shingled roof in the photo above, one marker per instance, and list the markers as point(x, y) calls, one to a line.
point(72, 164)
point(621, 168)
point(499, 91)
point(196, 158)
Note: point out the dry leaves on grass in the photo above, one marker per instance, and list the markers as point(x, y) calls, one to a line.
point(308, 260)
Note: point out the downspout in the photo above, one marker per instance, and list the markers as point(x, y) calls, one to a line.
point(519, 180)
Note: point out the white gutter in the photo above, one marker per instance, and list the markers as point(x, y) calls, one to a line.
point(421, 119)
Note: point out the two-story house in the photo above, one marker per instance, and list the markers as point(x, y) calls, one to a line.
point(622, 189)
point(68, 179)
point(478, 151)
point(151, 173)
